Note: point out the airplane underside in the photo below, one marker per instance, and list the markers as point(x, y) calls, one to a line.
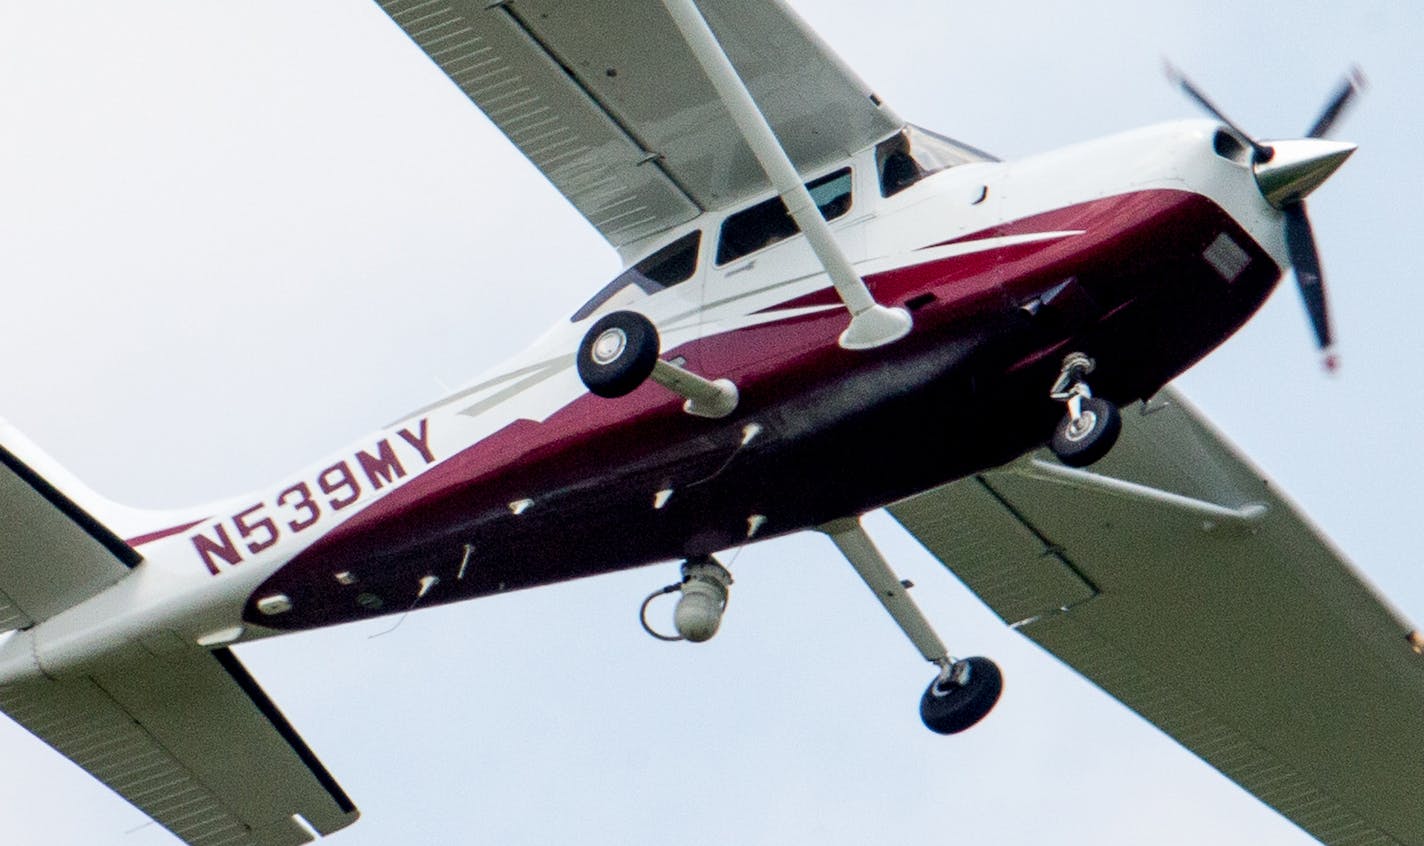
point(823, 310)
point(1147, 283)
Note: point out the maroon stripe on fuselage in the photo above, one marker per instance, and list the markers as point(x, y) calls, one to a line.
point(169, 532)
point(842, 432)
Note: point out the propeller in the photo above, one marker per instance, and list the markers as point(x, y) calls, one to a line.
point(1286, 172)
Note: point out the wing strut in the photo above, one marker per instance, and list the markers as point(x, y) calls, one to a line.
point(871, 324)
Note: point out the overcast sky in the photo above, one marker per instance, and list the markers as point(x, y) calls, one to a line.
point(234, 237)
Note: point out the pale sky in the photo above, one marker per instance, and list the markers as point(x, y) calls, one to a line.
point(234, 237)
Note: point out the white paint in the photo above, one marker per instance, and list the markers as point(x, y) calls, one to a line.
point(215, 275)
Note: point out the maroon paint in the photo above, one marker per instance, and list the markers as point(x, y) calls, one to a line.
point(211, 551)
point(160, 534)
point(966, 390)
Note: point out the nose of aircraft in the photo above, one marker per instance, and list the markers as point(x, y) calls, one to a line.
point(1297, 167)
point(1287, 171)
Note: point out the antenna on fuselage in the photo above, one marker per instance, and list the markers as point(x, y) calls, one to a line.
point(426, 583)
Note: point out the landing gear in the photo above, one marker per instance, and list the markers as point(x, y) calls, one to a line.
point(618, 354)
point(964, 691)
point(961, 696)
point(1092, 424)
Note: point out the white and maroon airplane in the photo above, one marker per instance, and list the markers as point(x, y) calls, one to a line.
point(944, 316)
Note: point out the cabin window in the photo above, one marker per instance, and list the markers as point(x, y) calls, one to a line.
point(768, 222)
point(913, 153)
point(675, 263)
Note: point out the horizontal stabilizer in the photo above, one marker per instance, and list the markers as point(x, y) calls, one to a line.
point(53, 553)
point(192, 741)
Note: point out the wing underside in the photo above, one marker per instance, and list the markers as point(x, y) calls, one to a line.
point(192, 741)
point(1177, 580)
point(607, 101)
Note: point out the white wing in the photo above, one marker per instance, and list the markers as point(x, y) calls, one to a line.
point(606, 100)
point(1176, 579)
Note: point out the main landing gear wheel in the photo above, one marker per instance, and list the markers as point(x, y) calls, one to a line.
point(962, 697)
point(964, 691)
point(618, 354)
point(1082, 440)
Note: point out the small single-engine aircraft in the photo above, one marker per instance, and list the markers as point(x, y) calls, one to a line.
point(825, 310)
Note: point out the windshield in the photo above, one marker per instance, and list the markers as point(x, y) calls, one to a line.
point(914, 153)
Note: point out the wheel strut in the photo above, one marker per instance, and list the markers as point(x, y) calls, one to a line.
point(1092, 424)
point(963, 691)
point(621, 351)
point(1071, 386)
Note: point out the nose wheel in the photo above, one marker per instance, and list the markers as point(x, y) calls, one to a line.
point(1092, 424)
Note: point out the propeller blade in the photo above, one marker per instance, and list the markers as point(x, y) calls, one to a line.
point(1353, 82)
point(1305, 261)
point(1261, 152)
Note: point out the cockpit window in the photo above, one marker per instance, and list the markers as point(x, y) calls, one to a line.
point(914, 153)
point(768, 222)
point(675, 263)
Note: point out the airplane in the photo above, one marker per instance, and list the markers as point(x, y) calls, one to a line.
point(415, 435)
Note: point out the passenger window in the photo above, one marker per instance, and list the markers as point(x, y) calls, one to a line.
point(768, 222)
point(675, 263)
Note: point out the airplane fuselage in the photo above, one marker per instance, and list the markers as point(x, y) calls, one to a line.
point(1144, 250)
point(1147, 280)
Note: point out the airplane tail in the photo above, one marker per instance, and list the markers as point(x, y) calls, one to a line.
point(64, 490)
point(182, 732)
point(56, 551)
point(190, 739)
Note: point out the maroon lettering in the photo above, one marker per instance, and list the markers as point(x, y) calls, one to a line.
point(304, 503)
point(383, 468)
point(222, 548)
point(247, 530)
point(343, 479)
point(420, 442)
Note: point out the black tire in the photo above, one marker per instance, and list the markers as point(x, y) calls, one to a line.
point(1091, 440)
point(951, 708)
point(625, 360)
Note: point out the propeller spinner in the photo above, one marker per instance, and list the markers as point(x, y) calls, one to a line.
point(1286, 172)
